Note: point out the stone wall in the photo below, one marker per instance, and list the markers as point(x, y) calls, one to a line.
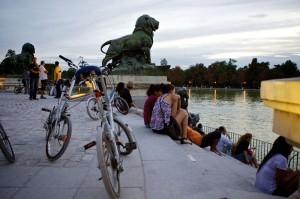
point(140, 81)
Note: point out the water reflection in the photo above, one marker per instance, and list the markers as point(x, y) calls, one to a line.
point(239, 110)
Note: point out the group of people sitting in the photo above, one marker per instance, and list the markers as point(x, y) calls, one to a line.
point(163, 106)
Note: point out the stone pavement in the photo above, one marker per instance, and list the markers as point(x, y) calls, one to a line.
point(160, 168)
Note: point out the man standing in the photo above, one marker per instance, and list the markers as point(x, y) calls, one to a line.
point(57, 79)
point(43, 78)
point(34, 79)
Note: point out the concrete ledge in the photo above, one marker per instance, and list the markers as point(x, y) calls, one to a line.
point(283, 96)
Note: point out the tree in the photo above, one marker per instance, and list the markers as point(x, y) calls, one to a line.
point(68, 74)
point(176, 76)
point(163, 62)
point(195, 75)
point(257, 72)
point(285, 70)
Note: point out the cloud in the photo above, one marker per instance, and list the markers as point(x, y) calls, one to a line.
point(190, 31)
point(259, 15)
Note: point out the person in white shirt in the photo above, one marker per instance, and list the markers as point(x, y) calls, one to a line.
point(225, 144)
point(43, 78)
point(273, 175)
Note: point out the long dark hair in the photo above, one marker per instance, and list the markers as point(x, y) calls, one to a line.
point(120, 87)
point(152, 89)
point(280, 146)
point(167, 88)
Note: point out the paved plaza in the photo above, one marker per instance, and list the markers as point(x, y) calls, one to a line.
point(159, 169)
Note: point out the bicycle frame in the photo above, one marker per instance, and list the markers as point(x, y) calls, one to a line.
point(106, 120)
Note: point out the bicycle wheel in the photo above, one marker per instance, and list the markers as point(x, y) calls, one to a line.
point(124, 137)
point(92, 108)
point(121, 105)
point(5, 146)
point(58, 140)
point(108, 165)
point(17, 89)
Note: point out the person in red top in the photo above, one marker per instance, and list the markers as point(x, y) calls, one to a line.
point(153, 92)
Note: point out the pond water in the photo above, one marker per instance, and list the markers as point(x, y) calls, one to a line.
point(240, 111)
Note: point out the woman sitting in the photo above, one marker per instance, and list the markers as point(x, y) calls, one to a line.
point(273, 175)
point(153, 92)
point(165, 107)
point(242, 151)
point(125, 94)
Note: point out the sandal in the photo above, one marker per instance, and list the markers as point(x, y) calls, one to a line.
point(185, 141)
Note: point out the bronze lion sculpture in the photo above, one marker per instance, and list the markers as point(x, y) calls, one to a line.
point(137, 45)
point(17, 64)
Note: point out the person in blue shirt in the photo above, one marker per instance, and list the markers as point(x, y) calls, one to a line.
point(225, 144)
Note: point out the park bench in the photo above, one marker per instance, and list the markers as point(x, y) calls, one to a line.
point(8, 84)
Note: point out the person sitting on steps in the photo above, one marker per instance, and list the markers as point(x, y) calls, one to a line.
point(166, 106)
point(153, 92)
point(225, 144)
point(242, 151)
point(273, 175)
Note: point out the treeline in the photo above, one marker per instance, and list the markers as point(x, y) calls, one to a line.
point(223, 74)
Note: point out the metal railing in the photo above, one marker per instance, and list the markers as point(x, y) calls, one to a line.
point(261, 148)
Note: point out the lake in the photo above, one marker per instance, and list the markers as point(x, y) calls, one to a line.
point(240, 111)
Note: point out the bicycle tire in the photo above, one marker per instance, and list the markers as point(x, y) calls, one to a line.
point(112, 190)
point(121, 105)
point(66, 140)
point(123, 129)
point(92, 109)
point(18, 90)
point(5, 146)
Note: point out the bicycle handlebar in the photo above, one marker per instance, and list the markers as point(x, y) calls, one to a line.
point(63, 58)
point(69, 62)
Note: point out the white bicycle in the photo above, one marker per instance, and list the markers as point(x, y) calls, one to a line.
point(114, 137)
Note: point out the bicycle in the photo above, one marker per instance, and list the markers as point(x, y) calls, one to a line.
point(19, 88)
point(98, 100)
point(110, 134)
point(58, 127)
point(5, 146)
point(115, 100)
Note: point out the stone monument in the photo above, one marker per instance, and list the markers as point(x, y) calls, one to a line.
point(131, 53)
point(18, 63)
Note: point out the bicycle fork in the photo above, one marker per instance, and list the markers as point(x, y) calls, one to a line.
point(116, 160)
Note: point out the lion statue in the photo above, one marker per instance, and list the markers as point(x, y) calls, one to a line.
point(132, 48)
point(17, 64)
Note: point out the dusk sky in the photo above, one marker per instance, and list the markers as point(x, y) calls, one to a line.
point(189, 31)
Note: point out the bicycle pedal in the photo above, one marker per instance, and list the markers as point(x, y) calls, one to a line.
point(119, 143)
point(89, 145)
point(131, 146)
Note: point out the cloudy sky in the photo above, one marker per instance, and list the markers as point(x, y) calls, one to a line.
point(190, 31)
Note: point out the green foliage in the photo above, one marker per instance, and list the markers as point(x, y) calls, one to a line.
point(68, 74)
point(226, 74)
point(176, 76)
